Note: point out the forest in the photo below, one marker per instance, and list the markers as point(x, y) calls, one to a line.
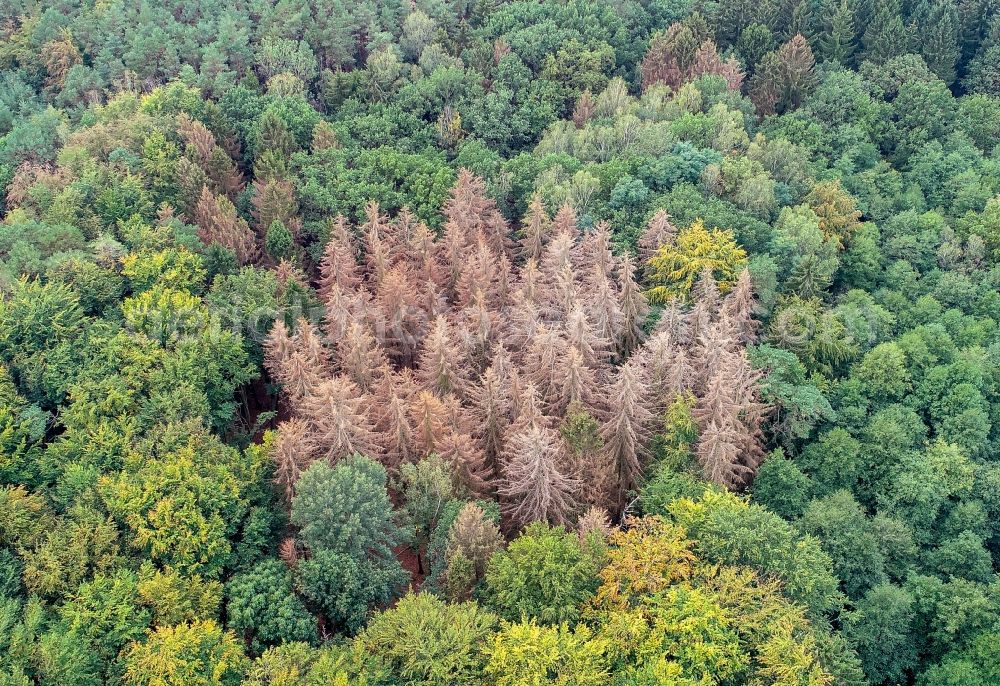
point(500, 342)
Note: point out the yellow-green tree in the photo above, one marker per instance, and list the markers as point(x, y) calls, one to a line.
point(675, 266)
point(195, 654)
point(679, 619)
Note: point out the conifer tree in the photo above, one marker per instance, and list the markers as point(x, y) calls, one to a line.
point(594, 522)
point(219, 224)
point(471, 215)
point(738, 309)
point(395, 429)
point(580, 335)
point(578, 383)
point(605, 311)
point(838, 41)
point(278, 347)
point(625, 430)
point(470, 473)
point(430, 422)
point(338, 264)
point(359, 357)
point(474, 538)
point(534, 486)
point(491, 413)
point(565, 222)
point(593, 254)
point(292, 452)
point(378, 250)
point(535, 228)
point(441, 368)
point(584, 109)
point(338, 415)
point(274, 201)
point(634, 308)
point(541, 360)
point(398, 311)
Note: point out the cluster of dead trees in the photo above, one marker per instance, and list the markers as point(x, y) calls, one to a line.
point(523, 363)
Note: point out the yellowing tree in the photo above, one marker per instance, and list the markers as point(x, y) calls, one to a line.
point(195, 654)
point(675, 266)
point(675, 617)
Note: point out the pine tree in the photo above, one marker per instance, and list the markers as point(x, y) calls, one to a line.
point(468, 463)
point(430, 422)
point(342, 306)
point(669, 56)
point(478, 330)
point(584, 109)
point(395, 430)
point(309, 341)
point(593, 522)
point(605, 311)
point(480, 274)
point(378, 250)
point(274, 201)
point(278, 347)
point(324, 137)
point(399, 315)
point(765, 88)
point(422, 256)
point(293, 361)
point(475, 538)
point(659, 231)
point(581, 336)
point(729, 414)
point(719, 439)
point(541, 361)
point(577, 383)
point(470, 215)
point(886, 36)
point(299, 377)
point(338, 415)
point(593, 253)
point(565, 224)
point(797, 75)
point(707, 62)
point(273, 135)
point(359, 357)
point(534, 487)
point(939, 36)
point(738, 309)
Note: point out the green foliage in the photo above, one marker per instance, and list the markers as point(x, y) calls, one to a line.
point(261, 603)
point(139, 530)
point(195, 654)
point(183, 499)
point(545, 574)
point(345, 508)
point(425, 640)
point(538, 654)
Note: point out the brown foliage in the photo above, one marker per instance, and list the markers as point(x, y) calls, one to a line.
point(445, 346)
point(219, 224)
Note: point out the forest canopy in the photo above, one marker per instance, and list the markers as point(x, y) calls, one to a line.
point(570, 342)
